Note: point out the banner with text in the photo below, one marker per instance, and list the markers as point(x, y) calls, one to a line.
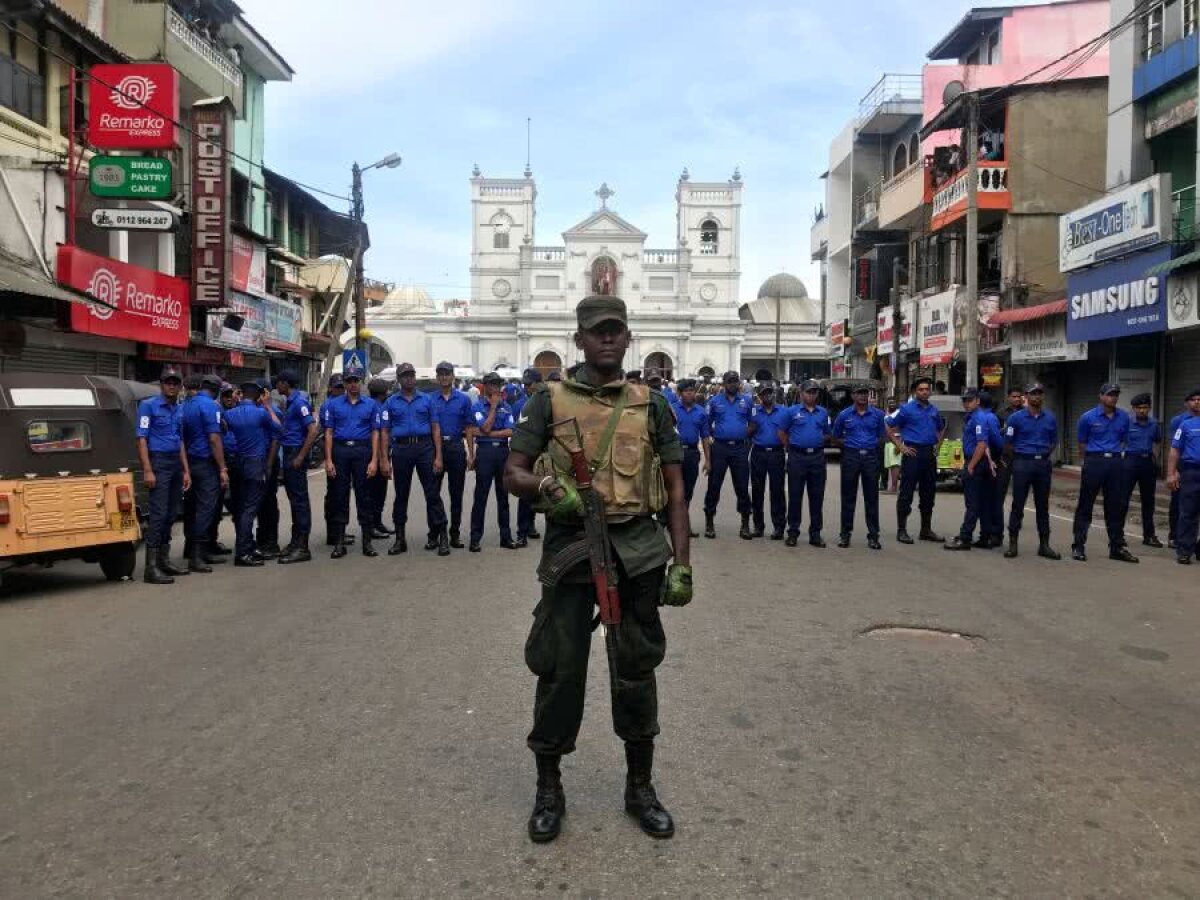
point(937, 328)
point(1045, 340)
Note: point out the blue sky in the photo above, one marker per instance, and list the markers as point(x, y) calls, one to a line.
point(623, 92)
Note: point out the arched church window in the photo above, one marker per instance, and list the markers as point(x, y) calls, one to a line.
point(604, 276)
point(900, 160)
point(708, 237)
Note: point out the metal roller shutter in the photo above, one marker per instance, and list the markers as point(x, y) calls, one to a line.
point(1082, 388)
point(1183, 369)
point(48, 360)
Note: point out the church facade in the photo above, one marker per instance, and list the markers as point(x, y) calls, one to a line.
point(683, 299)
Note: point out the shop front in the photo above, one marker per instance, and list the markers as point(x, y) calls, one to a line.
point(1183, 340)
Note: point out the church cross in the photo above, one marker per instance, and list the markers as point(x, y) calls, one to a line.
point(604, 193)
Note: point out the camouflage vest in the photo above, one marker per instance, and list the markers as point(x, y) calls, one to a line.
point(629, 476)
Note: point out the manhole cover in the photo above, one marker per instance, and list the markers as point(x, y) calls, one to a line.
point(922, 634)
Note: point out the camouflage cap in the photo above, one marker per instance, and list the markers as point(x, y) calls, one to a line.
point(599, 308)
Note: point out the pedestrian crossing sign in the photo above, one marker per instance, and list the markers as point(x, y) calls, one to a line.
point(354, 362)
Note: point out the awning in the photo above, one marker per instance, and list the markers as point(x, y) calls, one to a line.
point(1187, 261)
point(18, 278)
point(1029, 313)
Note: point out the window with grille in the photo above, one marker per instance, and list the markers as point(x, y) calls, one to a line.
point(708, 237)
point(22, 91)
point(1152, 28)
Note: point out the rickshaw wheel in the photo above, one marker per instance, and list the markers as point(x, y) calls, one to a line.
point(119, 562)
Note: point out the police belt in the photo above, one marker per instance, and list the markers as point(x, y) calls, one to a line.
point(739, 443)
point(360, 442)
point(412, 439)
point(1133, 455)
point(807, 450)
point(690, 446)
point(873, 451)
point(493, 442)
point(174, 453)
point(1117, 454)
point(1033, 456)
point(766, 449)
point(446, 438)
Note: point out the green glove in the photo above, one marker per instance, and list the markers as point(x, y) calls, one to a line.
point(569, 507)
point(677, 589)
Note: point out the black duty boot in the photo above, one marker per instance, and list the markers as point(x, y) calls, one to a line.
point(299, 552)
point(710, 527)
point(431, 541)
point(152, 574)
point(339, 547)
point(1122, 554)
point(927, 532)
point(777, 534)
point(367, 549)
point(1153, 541)
point(211, 555)
point(399, 545)
point(1011, 551)
point(759, 531)
point(455, 539)
point(443, 547)
point(165, 565)
point(957, 543)
point(196, 561)
point(1046, 551)
point(534, 534)
point(550, 803)
point(640, 799)
point(219, 549)
point(843, 540)
point(902, 534)
point(746, 534)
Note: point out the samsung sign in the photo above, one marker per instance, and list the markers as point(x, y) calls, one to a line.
point(1126, 220)
point(1118, 299)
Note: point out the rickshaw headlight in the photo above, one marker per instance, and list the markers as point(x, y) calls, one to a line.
point(124, 498)
point(4, 509)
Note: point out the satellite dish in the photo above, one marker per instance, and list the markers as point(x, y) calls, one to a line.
point(951, 92)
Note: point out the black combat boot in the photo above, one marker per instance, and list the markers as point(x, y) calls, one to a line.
point(166, 566)
point(339, 547)
point(211, 555)
point(443, 546)
point(431, 541)
point(455, 539)
point(269, 550)
point(1046, 551)
point(927, 532)
point(710, 527)
point(957, 543)
point(550, 803)
point(1011, 552)
point(399, 545)
point(902, 534)
point(152, 574)
point(367, 549)
point(640, 799)
point(298, 552)
point(745, 533)
point(759, 531)
point(195, 560)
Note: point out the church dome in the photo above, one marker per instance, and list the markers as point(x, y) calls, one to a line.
point(783, 286)
point(403, 301)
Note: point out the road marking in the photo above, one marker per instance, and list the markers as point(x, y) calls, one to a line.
point(1030, 509)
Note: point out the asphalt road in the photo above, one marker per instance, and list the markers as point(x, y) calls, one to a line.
point(357, 728)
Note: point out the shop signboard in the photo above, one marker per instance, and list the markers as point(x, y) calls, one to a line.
point(131, 177)
point(1126, 220)
point(248, 272)
point(135, 304)
point(1045, 340)
point(1118, 299)
point(133, 220)
point(837, 338)
point(133, 106)
point(283, 331)
point(992, 376)
point(211, 182)
point(937, 328)
point(883, 325)
point(252, 335)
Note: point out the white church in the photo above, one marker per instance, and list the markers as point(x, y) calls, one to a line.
point(684, 301)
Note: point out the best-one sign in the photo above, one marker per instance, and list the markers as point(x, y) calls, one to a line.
point(133, 106)
point(1126, 220)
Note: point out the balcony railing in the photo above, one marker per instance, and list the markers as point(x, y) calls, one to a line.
point(866, 207)
point(1183, 215)
point(891, 88)
point(550, 254)
point(660, 257)
point(214, 55)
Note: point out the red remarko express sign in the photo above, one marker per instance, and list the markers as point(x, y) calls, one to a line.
point(133, 106)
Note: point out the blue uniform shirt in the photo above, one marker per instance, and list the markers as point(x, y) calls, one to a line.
point(769, 425)
point(1142, 435)
point(981, 425)
point(1176, 422)
point(350, 421)
point(160, 422)
point(1102, 434)
point(253, 427)
point(201, 417)
point(995, 436)
point(807, 430)
point(692, 424)
point(453, 413)
point(729, 420)
point(1186, 439)
point(297, 418)
point(1031, 435)
point(503, 420)
point(919, 424)
point(863, 431)
point(407, 416)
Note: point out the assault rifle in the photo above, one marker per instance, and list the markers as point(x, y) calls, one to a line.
point(594, 547)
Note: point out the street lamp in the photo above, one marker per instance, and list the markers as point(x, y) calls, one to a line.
point(391, 161)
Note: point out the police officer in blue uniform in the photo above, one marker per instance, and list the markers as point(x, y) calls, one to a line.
point(767, 461)
point(1102, 433)
point(531, 380)
point(411, 441)
point(300, 432)
point(489, 434)
point(351, 424)
point(377, 485)
point(978, 474)
point(991, 517)
point(1183, 478)
point(453, 409)
point(917, 429)
point(1141, 470)
point(227, 499)
point(266, 542)
point(336, 388)
point(255, 424)
point(164, 471)
point(1030, 436)
point(206, 461)
point(729, 422)
point(808, 433)
point(1173, 507)
point(860, 432)
point(691, 418)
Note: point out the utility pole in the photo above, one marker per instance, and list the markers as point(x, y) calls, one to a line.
point(356, 212)
point(897, 327)
point(972, 320)
point(778, 339)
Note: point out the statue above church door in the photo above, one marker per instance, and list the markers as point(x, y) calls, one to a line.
point(604, 276)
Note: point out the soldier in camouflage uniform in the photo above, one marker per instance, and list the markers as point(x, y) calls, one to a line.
point(624, 447)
